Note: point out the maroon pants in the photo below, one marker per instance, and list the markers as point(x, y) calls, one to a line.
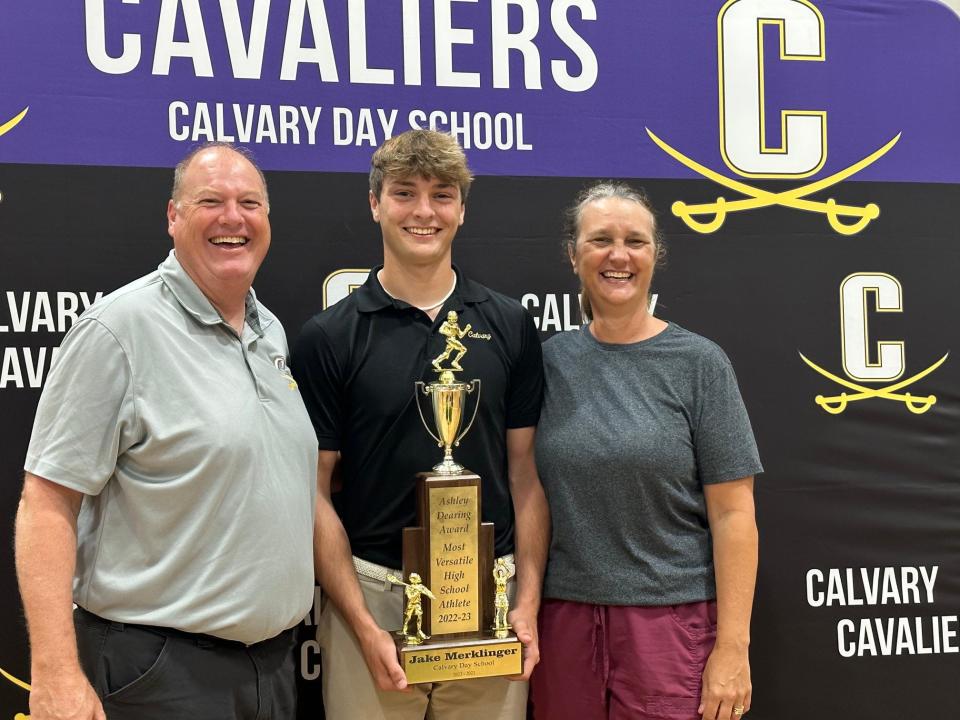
point(608, 662)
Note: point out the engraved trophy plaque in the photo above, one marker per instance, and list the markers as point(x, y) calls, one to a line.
point(455, 592)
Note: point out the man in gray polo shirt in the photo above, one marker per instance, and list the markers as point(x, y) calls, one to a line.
point(171, 477)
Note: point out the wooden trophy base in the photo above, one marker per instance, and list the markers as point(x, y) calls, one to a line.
point(460, 658)
point(451, 551)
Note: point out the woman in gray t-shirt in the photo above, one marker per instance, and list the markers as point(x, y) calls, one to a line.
point(646, 454)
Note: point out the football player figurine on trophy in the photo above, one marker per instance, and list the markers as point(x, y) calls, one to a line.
point(414, 590)
point(452, 332)
point(449, 397)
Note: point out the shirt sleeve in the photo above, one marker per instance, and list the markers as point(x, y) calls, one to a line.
point(525, 392)
point(317, 371)
point(86, 417)
point(723, 439)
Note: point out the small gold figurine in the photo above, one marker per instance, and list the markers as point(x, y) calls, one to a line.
point(452, 332)
point(414, 590)
point(501, 605)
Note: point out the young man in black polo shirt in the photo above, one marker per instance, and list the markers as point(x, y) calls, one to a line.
point(356, 364)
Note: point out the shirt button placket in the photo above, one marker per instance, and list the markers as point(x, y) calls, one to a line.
point(253, 375)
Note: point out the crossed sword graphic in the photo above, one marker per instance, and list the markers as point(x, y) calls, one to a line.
point(759, 198)
point(836, 404)
point(7, 127)
point(20, 683)
point(12, 122)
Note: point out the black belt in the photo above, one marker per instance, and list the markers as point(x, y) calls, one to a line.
point(199, 639)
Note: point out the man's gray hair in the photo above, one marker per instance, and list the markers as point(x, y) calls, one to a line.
point(181, 168)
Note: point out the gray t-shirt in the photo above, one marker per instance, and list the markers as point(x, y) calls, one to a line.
point(628, 437)
point(196, 457)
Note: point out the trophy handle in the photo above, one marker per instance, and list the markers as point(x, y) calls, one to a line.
point(422, 386)
point(474, 385)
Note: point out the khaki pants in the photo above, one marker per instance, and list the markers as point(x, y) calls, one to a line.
point(349, 692)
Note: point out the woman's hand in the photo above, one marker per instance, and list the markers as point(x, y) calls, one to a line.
point(727, 689)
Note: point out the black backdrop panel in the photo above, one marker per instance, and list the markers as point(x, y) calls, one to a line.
point(872, 487)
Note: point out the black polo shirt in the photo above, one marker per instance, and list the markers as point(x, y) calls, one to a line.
point(356, 364)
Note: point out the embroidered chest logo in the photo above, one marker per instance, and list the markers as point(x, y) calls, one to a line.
point(280, 363)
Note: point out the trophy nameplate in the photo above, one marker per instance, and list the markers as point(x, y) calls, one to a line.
point(457, 593)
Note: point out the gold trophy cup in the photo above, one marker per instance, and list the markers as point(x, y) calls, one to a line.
point(449, 398)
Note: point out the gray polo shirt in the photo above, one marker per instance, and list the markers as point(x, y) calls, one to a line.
point(196, 456)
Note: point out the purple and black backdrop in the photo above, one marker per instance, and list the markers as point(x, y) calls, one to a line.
point(805, 158)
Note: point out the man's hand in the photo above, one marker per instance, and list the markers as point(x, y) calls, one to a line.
point(380, 654)
point(65, 696)
point(335, 571)
point(46, 553)
point(533, 537)
point(525, 626)
point(726, 684)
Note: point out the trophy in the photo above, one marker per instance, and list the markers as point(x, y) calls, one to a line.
point(449, 397)
point(448, 557)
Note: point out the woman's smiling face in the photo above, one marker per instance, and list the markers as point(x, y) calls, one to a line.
point(615, 254)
